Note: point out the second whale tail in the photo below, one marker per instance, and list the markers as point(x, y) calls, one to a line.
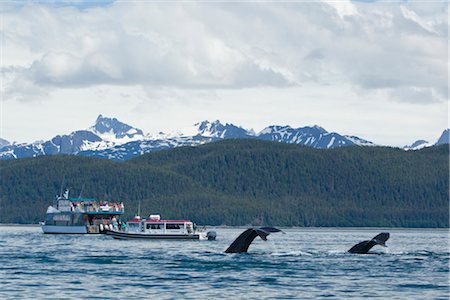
point(364, 246)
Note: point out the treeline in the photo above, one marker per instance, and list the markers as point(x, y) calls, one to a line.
point(240, 182)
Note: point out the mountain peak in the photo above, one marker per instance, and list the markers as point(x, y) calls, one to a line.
point(286, 128)
point(419, 144)
point(445, 138)
point(104, 123)
point(4, 143)
point(206, 124)
point(321, 129)
point(111, 128)
point(216, 129)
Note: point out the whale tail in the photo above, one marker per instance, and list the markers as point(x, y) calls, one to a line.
point(243, 241)
point(381, 239)
point(263, 232)
point(364, 246)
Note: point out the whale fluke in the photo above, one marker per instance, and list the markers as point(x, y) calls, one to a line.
point(364, 246)
point(243, 241)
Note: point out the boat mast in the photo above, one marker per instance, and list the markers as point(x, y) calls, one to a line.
point(139, 208)
point(82, 188)
point(55, 202)
point(62, 186)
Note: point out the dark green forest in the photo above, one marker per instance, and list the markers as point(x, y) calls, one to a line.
point(241, 182)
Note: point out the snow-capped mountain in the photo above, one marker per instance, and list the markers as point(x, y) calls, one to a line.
point(315, 137)
point(445, 138)
point(359, 141)
point(205, 132)
point(213, 130)
point(60, 144)
point(419, 144)
point(112, 130)
point(104, 134)
point(218, 130)
point(113, 139)
point(3, 143)
point(199, 133)
point(136, 148)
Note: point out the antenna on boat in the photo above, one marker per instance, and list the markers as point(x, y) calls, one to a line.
point(139, 208)
point(62, 186)
point(82, 188)
point(138, 216)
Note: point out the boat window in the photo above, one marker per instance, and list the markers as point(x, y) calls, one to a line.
point(78, 220)
point(49, 218)
point(173, 226)
point(133, 225)
point(153, 226)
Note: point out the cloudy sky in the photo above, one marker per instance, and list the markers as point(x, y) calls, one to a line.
point(378, 70)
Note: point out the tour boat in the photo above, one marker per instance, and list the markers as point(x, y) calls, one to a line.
point(81, 215)
point(156, 228)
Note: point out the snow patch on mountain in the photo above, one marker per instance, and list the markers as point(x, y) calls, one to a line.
point(7, 154)
point(419, 144)
point(214, 130)
point(4, 143)
point(315, 136)
point(136, 148)
point(112, 130)
point(358, 141)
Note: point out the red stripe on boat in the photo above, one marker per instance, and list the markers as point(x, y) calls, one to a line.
point(158, 221)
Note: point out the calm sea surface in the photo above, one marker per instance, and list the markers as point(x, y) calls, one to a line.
point(301, 264)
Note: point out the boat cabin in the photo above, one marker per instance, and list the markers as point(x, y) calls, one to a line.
point(154, 225)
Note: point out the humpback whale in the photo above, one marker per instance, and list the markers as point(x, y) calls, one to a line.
point(243, 241)
point(364, 246)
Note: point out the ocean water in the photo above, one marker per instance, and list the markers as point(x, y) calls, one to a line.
point(301, 264)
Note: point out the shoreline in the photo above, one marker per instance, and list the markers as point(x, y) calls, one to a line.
point(282, 227)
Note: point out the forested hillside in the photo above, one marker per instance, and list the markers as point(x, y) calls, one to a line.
point(240, 182)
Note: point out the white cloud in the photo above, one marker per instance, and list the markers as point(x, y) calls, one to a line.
point(128, 44)
point(415, 95)
point(343, 8)
point(165, 53)
point(214, 45)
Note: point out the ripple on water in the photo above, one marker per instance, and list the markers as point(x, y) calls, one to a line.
point(304, 263)
point(421, 286)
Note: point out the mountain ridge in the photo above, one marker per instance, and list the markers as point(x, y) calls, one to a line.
point(113, 139)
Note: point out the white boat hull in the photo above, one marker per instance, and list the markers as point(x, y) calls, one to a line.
point(55, 229)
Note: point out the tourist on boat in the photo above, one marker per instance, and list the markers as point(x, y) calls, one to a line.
point(114, 223)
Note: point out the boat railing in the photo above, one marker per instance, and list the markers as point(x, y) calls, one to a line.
point(92, 207)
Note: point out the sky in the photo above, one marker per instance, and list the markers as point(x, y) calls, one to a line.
point(374, 69)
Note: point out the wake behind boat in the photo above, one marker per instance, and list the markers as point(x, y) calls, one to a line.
point(155, 228)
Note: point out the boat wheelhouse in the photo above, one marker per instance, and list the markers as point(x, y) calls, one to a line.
point(81, 215)
point(156, 228)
